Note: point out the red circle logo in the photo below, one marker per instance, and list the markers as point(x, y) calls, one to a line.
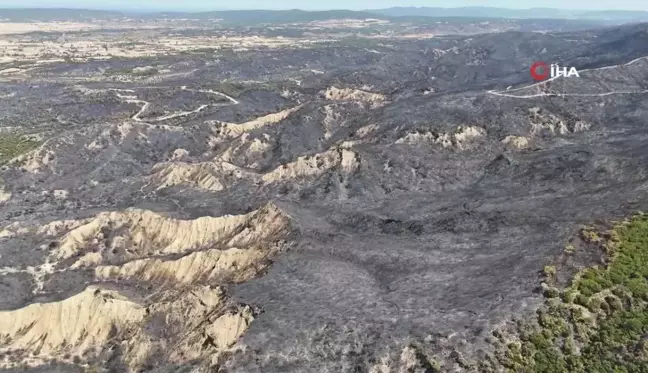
point(539, 71)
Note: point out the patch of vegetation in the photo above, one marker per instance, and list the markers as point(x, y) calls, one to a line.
point(13, 145)
point(275, 86)
point(146, 72)
point(599, 324)
point(136, 71)
point(590, 236)
point(236, 90)
point(570, 249)
point(118, 71)
point(550, 271)
point(230, 88)
point(201, 51)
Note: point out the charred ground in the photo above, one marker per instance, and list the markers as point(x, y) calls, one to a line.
point(350, 199)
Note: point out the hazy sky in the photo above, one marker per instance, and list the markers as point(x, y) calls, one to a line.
point(319, 4)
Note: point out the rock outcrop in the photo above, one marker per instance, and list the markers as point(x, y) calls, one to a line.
point(315, 165)
point(462, 138)
point(516, 142)
point(543, 121)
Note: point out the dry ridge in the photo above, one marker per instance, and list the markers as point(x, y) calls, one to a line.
point(218, 175)
point(186, 261)
point(229, 130)
point(212, 176)
point(375, 100)
point(135, 234)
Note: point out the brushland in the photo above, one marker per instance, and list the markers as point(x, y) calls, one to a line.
point(12, 145)
point(597, 324)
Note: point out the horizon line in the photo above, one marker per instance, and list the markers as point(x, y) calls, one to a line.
point(201, 10)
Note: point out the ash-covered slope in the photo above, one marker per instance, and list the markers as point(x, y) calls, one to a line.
point(324, 226)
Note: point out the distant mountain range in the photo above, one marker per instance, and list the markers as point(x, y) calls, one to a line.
point(406, 14)
point(491, 12)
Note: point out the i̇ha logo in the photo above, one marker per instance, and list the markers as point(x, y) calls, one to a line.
point(541, 71)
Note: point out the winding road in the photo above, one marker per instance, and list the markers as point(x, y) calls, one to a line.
point(551, 94)
point(133, 99)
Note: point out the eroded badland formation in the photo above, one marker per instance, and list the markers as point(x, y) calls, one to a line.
point(334, 194)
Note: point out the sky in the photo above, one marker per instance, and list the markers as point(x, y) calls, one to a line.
point(319, 4)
